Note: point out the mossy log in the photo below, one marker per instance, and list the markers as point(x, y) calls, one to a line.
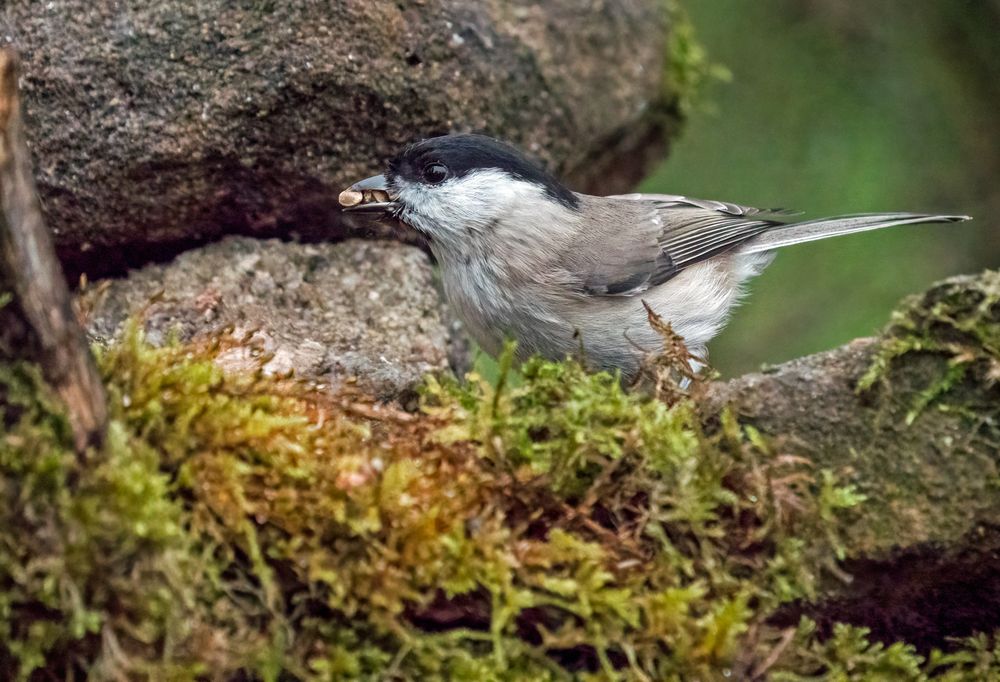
point(37, 323)
point(912, 420)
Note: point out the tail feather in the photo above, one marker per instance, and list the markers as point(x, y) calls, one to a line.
point(811, 230)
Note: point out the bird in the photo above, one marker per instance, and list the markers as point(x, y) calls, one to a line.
point(524, 258)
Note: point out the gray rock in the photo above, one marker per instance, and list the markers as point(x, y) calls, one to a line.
point(364, 313)
point(159, 124)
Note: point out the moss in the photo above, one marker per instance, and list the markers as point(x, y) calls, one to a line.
point(956, 321)
point(555, 527)
point(88, 552)
point(688, 69)
point(848, 655)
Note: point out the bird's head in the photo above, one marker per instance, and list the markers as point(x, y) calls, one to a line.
point(454, 187)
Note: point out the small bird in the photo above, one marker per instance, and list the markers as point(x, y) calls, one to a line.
point(522, 257)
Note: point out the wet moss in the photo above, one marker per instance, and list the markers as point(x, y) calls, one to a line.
point(553, 527)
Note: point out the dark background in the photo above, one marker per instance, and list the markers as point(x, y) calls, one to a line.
point(846, 107)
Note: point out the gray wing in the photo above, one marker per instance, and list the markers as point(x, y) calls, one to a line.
point(677, 200)
point(665, 234)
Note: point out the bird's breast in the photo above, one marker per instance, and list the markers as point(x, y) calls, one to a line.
point(497, 305)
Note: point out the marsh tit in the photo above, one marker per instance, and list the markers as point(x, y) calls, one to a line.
point(525, 258)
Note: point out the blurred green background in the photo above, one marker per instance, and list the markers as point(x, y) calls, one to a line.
point(835, 107)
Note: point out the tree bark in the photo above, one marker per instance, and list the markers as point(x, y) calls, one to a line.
point(37, 323)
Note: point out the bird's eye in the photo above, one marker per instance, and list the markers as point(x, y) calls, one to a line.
point(435, 173)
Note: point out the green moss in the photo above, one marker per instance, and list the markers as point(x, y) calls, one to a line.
point(556, 527)
point(957, 321)
point(848, 655)
point(88, 552)
point(688, 69)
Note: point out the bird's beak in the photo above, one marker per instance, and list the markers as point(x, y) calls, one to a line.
point(368, 196)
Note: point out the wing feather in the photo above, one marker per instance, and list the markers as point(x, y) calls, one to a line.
point(666, 233)
point(729, 208)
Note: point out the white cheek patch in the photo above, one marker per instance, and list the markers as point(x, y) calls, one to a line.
point(470, 203)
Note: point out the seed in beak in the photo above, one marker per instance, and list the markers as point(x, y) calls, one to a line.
point(350, 197)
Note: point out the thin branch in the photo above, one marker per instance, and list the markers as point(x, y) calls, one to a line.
point(39, 324)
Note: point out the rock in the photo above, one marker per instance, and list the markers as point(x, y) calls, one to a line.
point(922, 441)
point(158, 125)
point(910, 420)
point(358, 312)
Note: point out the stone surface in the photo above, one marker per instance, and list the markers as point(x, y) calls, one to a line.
point(924, 449)
point(159, 124)
point(921, 553)
point(361, 312)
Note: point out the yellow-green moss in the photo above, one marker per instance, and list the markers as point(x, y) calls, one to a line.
point(552, 528)
point(87, 552)
point(848, 655)
point(958, 321)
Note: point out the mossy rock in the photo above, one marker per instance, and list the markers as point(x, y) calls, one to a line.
point(550, 525)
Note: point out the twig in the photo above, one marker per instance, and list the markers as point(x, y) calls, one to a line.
point(786, 638)
point(39, 324)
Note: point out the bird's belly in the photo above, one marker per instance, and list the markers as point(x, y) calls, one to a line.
point(616, 332)
point(610, 332)
point(493, 315)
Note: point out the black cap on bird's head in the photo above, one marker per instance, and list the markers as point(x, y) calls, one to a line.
point(437, 159)
point(441, 162)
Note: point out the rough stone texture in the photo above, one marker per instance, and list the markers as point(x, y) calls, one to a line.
point(356, 311)
point(910, 473)
point(922, 559)
point(160, 124)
